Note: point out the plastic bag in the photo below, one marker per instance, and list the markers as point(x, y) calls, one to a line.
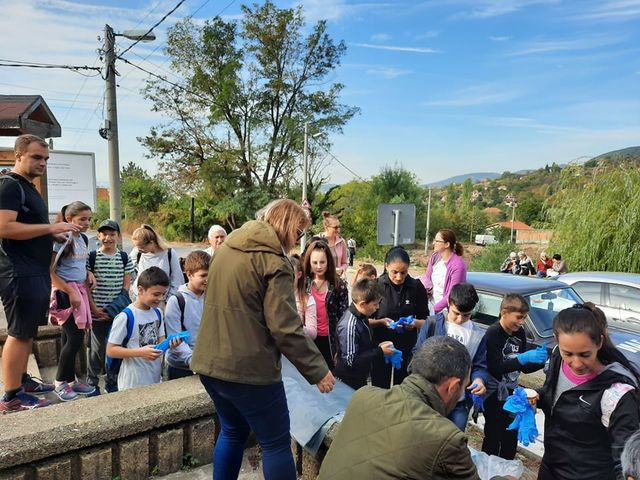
point(490, 466)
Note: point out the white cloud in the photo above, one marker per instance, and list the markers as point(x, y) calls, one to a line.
point(395, 48)
point(475, 96)
point(380, 37)
point(565, 45)
point(482, 9)
point(611, 10)
point(388, 72)
point(315, 10)
point(503, 38)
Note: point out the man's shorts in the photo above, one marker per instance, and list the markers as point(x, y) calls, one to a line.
point(26, 304)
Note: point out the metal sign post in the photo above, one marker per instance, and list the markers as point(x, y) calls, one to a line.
point(396, 224)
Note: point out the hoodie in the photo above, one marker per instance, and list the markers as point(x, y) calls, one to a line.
point(180, 357)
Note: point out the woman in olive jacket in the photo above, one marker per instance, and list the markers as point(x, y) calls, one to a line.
point(249, 320)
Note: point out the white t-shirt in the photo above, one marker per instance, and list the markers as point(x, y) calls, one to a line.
point(462, 333)
point(147, 330)
point(438, 275)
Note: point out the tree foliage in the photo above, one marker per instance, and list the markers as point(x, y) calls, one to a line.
point(596, 219)
point(141, 193)
point(235, 129)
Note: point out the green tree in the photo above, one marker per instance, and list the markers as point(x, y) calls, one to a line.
point(141, 193)
point(236, 125)
point(596, 219)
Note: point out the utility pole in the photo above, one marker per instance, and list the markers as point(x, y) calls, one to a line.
point(305, 173)
point(115, 210)
point(426, 234)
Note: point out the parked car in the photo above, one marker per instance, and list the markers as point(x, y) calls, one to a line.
point(545, 298)
point(485, 239)
point(617, 294)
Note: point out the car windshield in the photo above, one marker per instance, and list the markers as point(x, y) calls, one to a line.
point(545, 306)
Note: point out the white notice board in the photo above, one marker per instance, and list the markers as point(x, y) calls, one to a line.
point(71, 176)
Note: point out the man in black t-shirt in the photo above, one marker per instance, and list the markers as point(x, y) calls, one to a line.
point(25, 256)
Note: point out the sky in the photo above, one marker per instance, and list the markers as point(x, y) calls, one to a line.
point(445, 87)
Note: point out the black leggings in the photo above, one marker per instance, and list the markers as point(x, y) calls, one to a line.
point(72, 338)
point(497, 439)
point(324, 346)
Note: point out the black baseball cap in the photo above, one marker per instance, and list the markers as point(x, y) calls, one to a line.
point(109, 225)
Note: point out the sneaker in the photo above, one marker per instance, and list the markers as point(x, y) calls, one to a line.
point(11, 406)
point(36, 385)
point(65, 392)
point(31, 401)
point(96, 391)
point(82, 388)
point(110, 388)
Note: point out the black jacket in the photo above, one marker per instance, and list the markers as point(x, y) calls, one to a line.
point(408, 299)
point(576, 443)
point(356, 349)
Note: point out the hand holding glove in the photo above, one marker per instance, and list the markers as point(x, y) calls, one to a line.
point(395, 359)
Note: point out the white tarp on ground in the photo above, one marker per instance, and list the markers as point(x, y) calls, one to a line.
point(312, 413)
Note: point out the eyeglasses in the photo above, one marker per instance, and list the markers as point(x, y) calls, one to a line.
point(300, 234)
point(337, 227)
point(435, 240)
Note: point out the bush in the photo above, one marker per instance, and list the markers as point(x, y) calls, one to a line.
point(490, 258)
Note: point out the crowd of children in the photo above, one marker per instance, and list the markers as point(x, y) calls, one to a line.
point(92, 292)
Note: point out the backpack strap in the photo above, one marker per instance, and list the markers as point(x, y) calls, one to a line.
point(169, 257)
point(23, 197)
point(181, 304)
point(138, 259)
point(125, 259)
point(92, 260)
point(130, 322)
point(85, 238)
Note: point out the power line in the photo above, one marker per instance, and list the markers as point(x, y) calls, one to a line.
point(337, 160)
point(151, 29)
point(78, 94)
point(17, 63)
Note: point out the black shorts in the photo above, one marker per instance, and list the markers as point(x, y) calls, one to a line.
point(26, 304)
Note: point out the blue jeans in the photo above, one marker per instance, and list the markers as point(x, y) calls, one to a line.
point(460, 415)
point(241, 408)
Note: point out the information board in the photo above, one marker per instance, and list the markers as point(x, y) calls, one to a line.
point(71, 176)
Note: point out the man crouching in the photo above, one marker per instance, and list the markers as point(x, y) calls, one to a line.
point(403, 432)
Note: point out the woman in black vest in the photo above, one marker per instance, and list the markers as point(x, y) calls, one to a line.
point(402, 296)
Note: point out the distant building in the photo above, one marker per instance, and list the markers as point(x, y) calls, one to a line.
point(523, 232)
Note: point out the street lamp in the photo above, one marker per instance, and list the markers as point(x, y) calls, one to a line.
point(510, 200)
point(110, 130)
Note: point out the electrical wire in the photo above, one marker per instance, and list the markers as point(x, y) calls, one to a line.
point(337, 160)
point(154, 26)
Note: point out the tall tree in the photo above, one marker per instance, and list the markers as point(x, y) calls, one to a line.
point(235, 126)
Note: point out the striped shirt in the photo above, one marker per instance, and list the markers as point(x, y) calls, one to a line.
point(109, 273)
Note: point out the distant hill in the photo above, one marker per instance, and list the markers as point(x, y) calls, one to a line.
point(616, 156)
point(475, 177)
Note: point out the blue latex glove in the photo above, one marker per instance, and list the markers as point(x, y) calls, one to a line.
point(478, 401)
point(164, 345)
point(537, 355)
point(524, 421)
point(395, 359)
point(400, 323)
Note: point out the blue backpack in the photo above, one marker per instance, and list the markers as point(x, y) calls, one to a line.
point(113, 364)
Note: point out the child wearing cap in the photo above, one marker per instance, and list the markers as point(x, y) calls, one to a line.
point(112, 269)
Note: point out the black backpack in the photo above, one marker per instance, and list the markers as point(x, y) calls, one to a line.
point(94, 253)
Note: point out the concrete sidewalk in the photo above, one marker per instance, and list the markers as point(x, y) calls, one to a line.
point(251, 469)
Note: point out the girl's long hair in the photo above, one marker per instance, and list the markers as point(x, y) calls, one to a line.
point(299, 284)
point(146, 234)
point(72, 210)
point(330, 275)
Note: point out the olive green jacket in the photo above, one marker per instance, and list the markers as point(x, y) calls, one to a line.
point(250, 314)
point(401, 433)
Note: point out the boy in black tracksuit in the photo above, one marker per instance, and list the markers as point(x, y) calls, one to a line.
point(507, 356)
point(356, 349)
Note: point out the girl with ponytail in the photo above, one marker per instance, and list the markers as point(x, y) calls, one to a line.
point(590, 399)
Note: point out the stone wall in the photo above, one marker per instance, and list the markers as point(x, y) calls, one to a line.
point(129, 435)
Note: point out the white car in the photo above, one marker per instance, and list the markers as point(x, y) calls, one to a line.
point(616, 294)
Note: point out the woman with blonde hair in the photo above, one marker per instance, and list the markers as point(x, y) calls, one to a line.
point(249, 320)
point(336, 243)
point(149, 250)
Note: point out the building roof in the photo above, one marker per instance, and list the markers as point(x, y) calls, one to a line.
point(20, 114)
point(517, 225)
point(492, 211)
